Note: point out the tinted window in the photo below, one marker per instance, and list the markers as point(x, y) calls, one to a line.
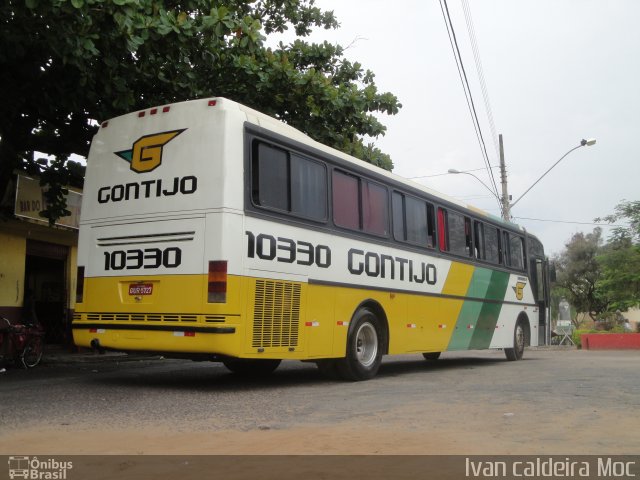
point(288, 182)
point(516, 252)
point(271, 176)
point(308, 188)
point(375, 209)
point(345, 201)
point(478, 238)
point(492, 244)
point(398, 216)
point(459, 234)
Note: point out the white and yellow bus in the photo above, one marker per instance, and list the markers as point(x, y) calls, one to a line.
point(211, 231)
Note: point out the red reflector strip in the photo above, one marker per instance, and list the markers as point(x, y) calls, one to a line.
point(312, 324)
point(184, 334)
point(212, 103)
point(342, 324)
point(165, 109)
point(93, 330)
point(140, 114)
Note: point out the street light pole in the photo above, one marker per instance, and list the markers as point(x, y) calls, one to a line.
point(456, 172)
point(583, 143)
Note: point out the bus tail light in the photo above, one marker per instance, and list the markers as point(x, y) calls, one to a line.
point(217, 281)
point(80, 285)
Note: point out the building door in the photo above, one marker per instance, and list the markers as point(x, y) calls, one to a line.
point(46, 288)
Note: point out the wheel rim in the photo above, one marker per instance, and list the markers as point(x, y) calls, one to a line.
point(519, 338)
point(32, 354)
point(366, 344)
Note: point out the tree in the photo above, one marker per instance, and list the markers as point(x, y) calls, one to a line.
point(619, 260)
point(67, 64)
point(578, 273)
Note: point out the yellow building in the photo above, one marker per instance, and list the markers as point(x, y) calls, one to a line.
point(38, 261)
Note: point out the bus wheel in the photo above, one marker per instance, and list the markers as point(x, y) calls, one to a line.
point(250, 366)
point(431, 355)
point(364, 352)
point(517, 351)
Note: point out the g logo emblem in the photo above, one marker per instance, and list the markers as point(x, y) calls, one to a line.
point(146, 152)
point(519, 289)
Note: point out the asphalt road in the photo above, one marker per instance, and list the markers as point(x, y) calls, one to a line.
point(552, 402)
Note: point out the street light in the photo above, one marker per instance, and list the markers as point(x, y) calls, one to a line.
point(456, 172)
point(583, 143)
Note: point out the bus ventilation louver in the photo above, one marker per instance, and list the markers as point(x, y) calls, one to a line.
point(276, 314)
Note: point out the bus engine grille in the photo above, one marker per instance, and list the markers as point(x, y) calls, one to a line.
point(276, 314)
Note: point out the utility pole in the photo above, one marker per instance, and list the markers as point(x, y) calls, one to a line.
point(506, 209)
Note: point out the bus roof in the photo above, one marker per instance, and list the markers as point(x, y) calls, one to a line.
point(282, 128)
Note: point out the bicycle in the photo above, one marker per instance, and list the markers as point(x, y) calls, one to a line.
point(22, 344)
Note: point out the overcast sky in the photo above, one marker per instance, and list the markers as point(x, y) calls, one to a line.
point(555, 72)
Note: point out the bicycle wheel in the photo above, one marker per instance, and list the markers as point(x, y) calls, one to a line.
point(32, 352)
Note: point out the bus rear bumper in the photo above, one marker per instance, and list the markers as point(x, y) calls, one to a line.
point(222, 340)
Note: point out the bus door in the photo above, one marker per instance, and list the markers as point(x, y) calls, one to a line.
point(539, 272)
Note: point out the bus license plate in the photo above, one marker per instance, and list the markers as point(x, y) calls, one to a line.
point(141, 289)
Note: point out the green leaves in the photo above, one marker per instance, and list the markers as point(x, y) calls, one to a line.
point(90, 60)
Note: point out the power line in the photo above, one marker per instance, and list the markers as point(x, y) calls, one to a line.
point(447, 173)
point(570, 222)
point(467, 90)
point(480, 70)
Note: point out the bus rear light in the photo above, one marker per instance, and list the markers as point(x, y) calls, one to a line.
point(212, 103)
point(105, 124)
point(80, 285)
point(153, 111)
point(217, 291)
point(165, 109)
point(140, 114)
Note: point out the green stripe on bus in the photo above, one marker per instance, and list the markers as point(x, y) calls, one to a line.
point(470, 311)
point(488, 318)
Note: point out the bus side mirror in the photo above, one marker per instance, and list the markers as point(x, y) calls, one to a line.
point(552, 273)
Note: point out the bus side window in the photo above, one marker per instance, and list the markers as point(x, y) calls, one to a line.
point(308, 188)
point(479, 240)
point(359, 204)
point(413, 220)
point(375, 208)
point(271, 177)
point(459, 234)
point(442, 230)
point(492, 244)
point(513, 246)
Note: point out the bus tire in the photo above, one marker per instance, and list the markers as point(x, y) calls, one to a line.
point(251, 366)
point(364, 348)
point(431, 355)
point(519, 340)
